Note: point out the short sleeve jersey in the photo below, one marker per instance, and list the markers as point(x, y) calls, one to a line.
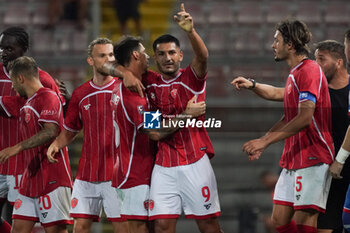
point(314, 144)
point(189, 144)
point(90, 109)
point(40, 176)
point(135, 151)
point(9, 135)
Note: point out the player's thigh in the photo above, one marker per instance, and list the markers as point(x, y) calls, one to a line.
point(208, 225)
point(306, 217)
point(13, 186)
point(281, 214)
point(112, 203)
point(82, 225)
point(165, 225)
point(135, 202)
point(62, 228)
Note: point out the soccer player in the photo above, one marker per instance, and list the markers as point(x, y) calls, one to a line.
point(183, 156)
point(330, 56)
point(134, 149)
point(302, 189)
point(90, 109)
point(45, 188)
point(14, 42)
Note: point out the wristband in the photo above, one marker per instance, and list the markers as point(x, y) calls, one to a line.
point(342, 155)
point(253, 82)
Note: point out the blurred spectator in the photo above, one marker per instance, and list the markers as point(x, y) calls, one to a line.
point(128, 9)
point(75, 10)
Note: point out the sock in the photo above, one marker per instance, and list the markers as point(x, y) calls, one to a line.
point(5, 227)
point(306, 229)
point(288, 228)
point(346, 220)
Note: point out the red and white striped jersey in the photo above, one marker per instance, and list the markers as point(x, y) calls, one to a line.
point(314, 144)
point(135, 151)
point(40, 176)
point(9, 135)
point(189, 144)
point(90, 109)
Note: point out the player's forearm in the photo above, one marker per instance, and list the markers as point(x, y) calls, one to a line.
point(346, 142)
point(200, 50)
point(113, 69)
point(65, 138)
point(43, 136)
point(269, 92)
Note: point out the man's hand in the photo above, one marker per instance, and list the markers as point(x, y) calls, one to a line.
point(195, 109)
point(184, 19)
point(335, 169)
point(63, 89)
point(53, 149)
point(132, 83)
point(8, 152)
point(241, 82)
point(254, 148)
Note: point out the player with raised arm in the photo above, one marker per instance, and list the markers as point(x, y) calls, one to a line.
point(306, 128)
point(45, 188)
point(90, 109)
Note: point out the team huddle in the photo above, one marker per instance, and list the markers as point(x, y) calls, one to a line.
point(143, 178)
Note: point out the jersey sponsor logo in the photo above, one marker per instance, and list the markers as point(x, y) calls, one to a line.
point(207, 206)
point(140, 109)
point(312, 158)
point(27, 117)
point(87, 106)
point(173, 93)
point(44, 214)
point(18, 204)
point(48, 112)
point(151, 120)
point(74, 202)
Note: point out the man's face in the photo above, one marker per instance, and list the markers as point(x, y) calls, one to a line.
point(101, 53)
point(16, 84)
point(10, 49)
point(327, 63)
point(347, 51)
point(143, 58)
point(280, 48)
point(168, 58)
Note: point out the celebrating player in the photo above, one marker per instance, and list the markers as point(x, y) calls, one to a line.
point(45, 188)
point(90, 109)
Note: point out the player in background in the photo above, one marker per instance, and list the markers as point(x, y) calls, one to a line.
point(185, 154)
point(306, 127)
point(134, 149)
point(347, 46)
point(14, 42)
point(330, 56)
point(45, 188)
point(90, 109)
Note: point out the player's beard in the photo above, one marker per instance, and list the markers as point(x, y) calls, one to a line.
point(100, 71)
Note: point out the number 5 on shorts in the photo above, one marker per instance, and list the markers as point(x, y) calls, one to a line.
point(298, 184)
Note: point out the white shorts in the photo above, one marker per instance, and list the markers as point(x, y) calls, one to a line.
point(305, 188)
point(9, 186)
point(190, 187)
point(50, 209)
point(89, 197)
point(135, 202)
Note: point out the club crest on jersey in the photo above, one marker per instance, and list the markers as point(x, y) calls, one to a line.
point(140, 109)
point(115, 99)
point(27, 117)
point(18, 204)
point(173, 93)
point(74, 202)
point(86, 107)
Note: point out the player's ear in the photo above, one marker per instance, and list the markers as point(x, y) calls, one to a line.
point(181, 55)
point(90, 61)
point(136, 55)
point(20, 78)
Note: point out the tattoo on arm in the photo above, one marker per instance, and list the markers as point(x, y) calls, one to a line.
point(43, 136)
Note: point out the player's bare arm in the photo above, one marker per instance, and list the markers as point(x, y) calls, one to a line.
point(130, 81)
point(338, 164)
point(48, 133)
point(64, 139)
point(265, 91)
point(193, 109)
point(201, 54)
point(298, 123)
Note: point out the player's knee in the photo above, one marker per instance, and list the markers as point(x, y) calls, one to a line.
point(81, 227)
point(346, 220)
point(209, 225)
point(164, 226)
